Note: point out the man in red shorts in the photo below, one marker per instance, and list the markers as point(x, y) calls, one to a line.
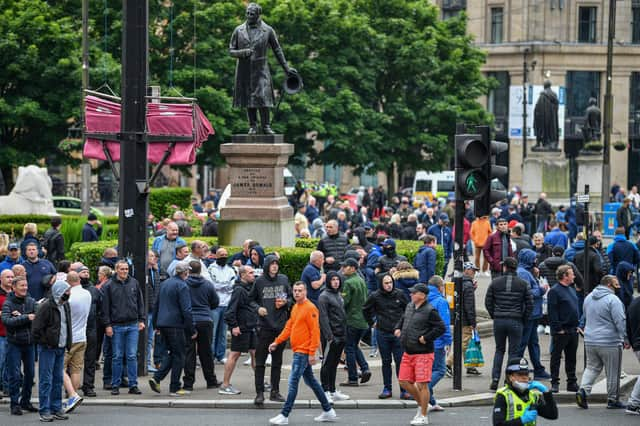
point(418, 328)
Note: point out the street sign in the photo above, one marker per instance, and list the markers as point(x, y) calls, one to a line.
point(582, 198)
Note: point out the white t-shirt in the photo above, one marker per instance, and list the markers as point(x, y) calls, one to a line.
point(80, 304)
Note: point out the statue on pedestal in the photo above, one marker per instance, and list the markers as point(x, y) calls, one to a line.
point(253, 87)
point(545, 120)
point(591, 128)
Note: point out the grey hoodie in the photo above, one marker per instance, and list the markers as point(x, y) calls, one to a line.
point(605, 319)
point(57, 290)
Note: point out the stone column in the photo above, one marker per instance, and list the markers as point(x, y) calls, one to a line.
point(546, 172)
point(257, 208)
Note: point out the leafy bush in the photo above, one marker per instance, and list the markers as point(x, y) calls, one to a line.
point(161, 201)
point(46, 219)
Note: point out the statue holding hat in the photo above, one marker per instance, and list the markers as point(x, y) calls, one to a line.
point(253, 88)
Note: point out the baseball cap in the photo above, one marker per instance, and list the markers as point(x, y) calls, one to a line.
point(367, 226)
point(517, 365)
point(13, 246)
point(512, 224)
point(350, 262)
point(182, 267)
point(510, 263)
point(443, 217)
point(592, 240)
point(469, 265)
point(92, 216)
point(389, 242)
point(557, 250)
point(420, 287)
point(81, 268)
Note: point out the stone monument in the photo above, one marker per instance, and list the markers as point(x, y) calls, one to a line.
point(257, 207)
point(31, 194)
point(589, 160)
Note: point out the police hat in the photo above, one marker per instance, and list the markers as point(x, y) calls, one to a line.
point(517, 365)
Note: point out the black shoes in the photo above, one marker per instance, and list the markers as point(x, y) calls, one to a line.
point(115, 391)
point(555, 388)
point(213, 385)
point(16, 411)
point(30, 408)
point(135, 391)
point(494, 385)
point(107, 386)
point(60, 416)
point(366, 376)
point(89, 393)
point(259, 400)
point(572, 387)
point(581, 399)
point(275, 396)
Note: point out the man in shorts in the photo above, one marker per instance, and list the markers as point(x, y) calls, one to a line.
point(418, 328)
point(80, 305)
point(241, 318)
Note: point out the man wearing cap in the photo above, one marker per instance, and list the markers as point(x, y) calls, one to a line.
point(354, 293)
point(442, 232)
point(509, 304)
point(12, 258)
point(469, 285)
point(605, 336)
point(418, 328)
point(210, 227)
point(521, 401)
point(172, 319)
point(389, 259)
point(497, 247)
point(89, 232)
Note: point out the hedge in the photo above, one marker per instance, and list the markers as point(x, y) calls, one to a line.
point(292, 259)
point(161, 201)
point(44, 218)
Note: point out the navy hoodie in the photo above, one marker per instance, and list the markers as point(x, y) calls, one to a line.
point(203, 298)
point(625, 293)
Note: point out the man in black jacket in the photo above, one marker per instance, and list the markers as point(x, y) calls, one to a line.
point(18, 312)
point(386, 305)
point(334, 246)
point(633, 334)
point(124, 317)
point(509, 303)
point(418, 328)
point(389, 259)
point(203, 299)
point(90, 354)
point(210, 227)
point(53, 333)
point(53, 241)
point(594, 260)
point(271, 297)
point(241, 318)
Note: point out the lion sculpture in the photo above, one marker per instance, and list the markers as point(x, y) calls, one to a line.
point(31, 193)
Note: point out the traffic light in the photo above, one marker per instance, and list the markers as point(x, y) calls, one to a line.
point(471, 155)
point(490, 171)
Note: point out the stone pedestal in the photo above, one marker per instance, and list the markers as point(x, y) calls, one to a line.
point(590, 173)
point(546, 172)
point(257, 208)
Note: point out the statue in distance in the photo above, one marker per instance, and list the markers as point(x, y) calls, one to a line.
point(545, 120)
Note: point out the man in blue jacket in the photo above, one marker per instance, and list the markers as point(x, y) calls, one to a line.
point(442, 343)
point(527, 271)
point(442, 232)
point(622, 250)
point(172, 317)
point(555, 237)
point(425, 261)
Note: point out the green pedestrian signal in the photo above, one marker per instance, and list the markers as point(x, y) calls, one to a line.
point(472, 183)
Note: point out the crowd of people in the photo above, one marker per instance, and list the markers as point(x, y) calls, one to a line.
point(356, 287)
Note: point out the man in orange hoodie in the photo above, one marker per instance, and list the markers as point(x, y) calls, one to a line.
point(480, 230)
point(303, 327)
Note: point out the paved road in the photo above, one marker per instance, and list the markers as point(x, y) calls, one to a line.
point(108, 416)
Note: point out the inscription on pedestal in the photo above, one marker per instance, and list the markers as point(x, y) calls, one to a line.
point(251, 182)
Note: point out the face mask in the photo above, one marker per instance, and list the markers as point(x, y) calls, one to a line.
point(520, 386)
point(221, 261)
point(356, 240)
point(64, 298)
point(389, 251)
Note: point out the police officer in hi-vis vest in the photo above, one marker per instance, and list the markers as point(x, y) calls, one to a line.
point(521, 401)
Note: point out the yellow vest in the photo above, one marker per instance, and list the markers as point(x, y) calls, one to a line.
point(515, 405)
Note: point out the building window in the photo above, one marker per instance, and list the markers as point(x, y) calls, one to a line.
point(498, 99)
point(634, 105)
point(587, 18)
point(496, 25)
point(332, 173)
point(581, 85)
point(635, 24)
point(452, 8)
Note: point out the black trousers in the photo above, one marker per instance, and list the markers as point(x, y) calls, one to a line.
point(90, 355)
point(567, 343)
point(330, 360)
point(265, 338)
point(173, 359)
point(201, 346)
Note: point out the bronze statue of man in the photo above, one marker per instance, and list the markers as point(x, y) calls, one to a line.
point(545, 119)
point(591, 128)
point(253, 88)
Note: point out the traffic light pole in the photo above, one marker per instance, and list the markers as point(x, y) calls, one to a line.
point(132, 241)
point(457, 279)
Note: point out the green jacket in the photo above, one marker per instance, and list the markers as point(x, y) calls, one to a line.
point(354, 293)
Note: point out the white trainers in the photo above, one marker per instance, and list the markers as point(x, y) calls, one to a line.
point(540, 329)
point(329, 397)
point(547, 330)
point(436, 407)
point(247, 361)
point(327, 416)
point(420, 420)
point(268, 360)
point(279, 420)
point(339, 396)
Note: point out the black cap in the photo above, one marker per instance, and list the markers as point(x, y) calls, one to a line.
point(592, 240)
point(92, 216)
point(420, 287)
point(517, 365)
point(350, 262)
point(557, 251)
point(510, 263)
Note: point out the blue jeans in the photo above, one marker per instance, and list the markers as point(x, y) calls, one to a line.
point(125, 341)
point(150, 334)
point(300, 367)
point(219, 339)
point(107, 356)
point(17, 354)
point(4, 381)
point(530, 340)
point(50, 367)
point(437, 371)
point(389, 347)
point(353, 352)
point(173, 360)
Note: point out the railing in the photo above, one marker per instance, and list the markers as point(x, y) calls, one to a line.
point(103, 193)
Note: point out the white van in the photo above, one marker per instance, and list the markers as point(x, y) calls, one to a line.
point(289, 182)
point(432, 185)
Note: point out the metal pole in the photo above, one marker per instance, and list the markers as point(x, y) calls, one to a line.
point(85, 192)
point(608, 106)
point(132, 241)
point(586, 238)
point(525, 72)
point(457, 274)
